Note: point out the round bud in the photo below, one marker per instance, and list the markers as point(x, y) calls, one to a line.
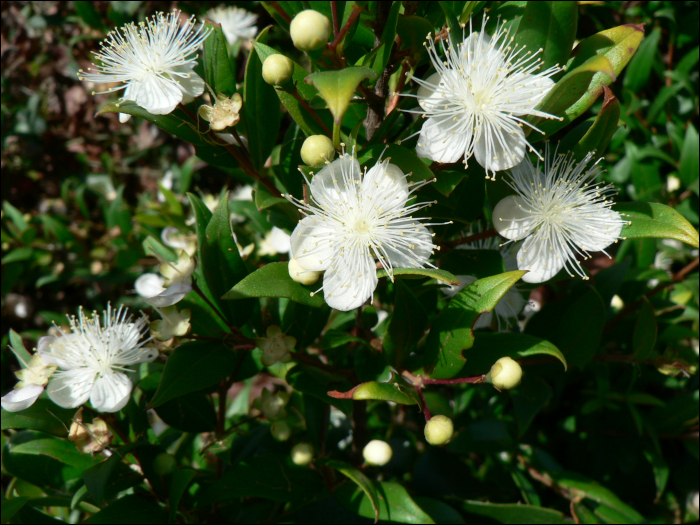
point(310, 30)
point(439, 430)
point(164, 464)
point(299, 275)
point(302, 454)
point(280, 431)
point(316, 150)
point(277, 70)
point(505, 374)
point(377, 452)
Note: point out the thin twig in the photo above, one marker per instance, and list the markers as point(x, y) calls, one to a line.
point(356, 9)
point(491, 232)
point(334, 14)
point(211, 305)
point(297, 96)
point(277, 7)
point(473, 380)
point(426, 411)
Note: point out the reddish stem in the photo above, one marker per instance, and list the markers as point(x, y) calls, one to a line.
point(308, 108)
point(334, 13)
point(475, 379)
point(277, 7)
point(425, 405)
point(491, 232)
point(351, 20)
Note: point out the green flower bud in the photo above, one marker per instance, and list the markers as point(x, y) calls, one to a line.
point(505, 374)
point(300, 275)
point(310, 30)
point(277, 70)
point(317, 150)
point(377, 453)
point(439, 430)
point(302, 454)
point(280, 431)
point(164, 464)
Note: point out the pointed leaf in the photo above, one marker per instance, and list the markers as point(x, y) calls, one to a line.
point(490, 347)
point(362, 481)
point(17, 347)
point(406, 327)
point(513, 512)
point(395, 505)
point(550, 26)
point(397, 390)
point(43, 415)
point(430, 273)
point(655, 220)
point(217, 66)
point(338, 87)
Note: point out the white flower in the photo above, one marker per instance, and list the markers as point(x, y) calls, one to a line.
point(475, 102)
point(32, 380)
point(275, 241)
point(236, 23)
point(560, 212)
point(275, 346)
point(355, 221)
point(179, 240)
point(172, 324)
point(151, 59)
point(149, 285)
point(93, 358)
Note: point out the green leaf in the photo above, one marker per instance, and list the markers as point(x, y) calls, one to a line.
point(273, 280)
point(396, 390)
point(157, 249)
point(528, 399)
point(43, 415)
point(217, 67)
point(490, 347)
point(406, 326)
point(131, 508)
point(296, 110)
point(360, 480)
point(439, 511)
point(261, 109)
point(12, 506)
point(645, 331)
point(655, 220)
point(513, 512)
point(192, 412)
point(17, 347)
point(193, 366)
point(639, 68)
point(387, 39)
point(395, 505)
point(578, 334)
point(452, 22)
point(317, 383)
point(550, 26)
point(91, 17)
point(179, 482)
point(431, 273)
point(98, 476)
point(479, 263)
point(452, 330)
point(338, 87)
point(596, 135)
point(219, 258)
point(688, 169)
point(178, 123)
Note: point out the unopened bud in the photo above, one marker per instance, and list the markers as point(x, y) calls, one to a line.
point(299, 275)
point(377, 453)
point(164, 464)
point(439, 430)
point(277, 70)
point(280, 431)
point(302, 454)
point(505, 374)
point(316, 150)
point(310, 30)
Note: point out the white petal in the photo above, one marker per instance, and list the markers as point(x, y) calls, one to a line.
point(483, 321)
point(173, 294)
point(72, 388)
point(454, 289)
point(389, 180)
point(350, 281)
point(498, 150)
point(50, 349)
point(512, 218)
point(279, 239)
point(477, 41)
point(191, 87)
point(407, 257)
point(157, 95)
point(111, 392)
point(311, 244)
point(149, 285)
point(438, 142)
point(511, 304)
point(599, 236)
point(426, 88)
point(538, 87)
point(124, 117)
point(22, 398)
point(542, 263)
point(328, 182)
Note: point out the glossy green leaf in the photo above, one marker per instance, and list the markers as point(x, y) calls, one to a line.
point(639, 68)
point(43, 415)
point(513, 512)
point(17, 347)
point(338, 87)
point(688, 169)
point(396, 390)
point(193, 366)
point(645, 331)
point(98, 476)
point(12, 506)
point(179, 482)
point(551, 27)
point(452, 330)
point(417, 273)
point(387, 39)
point(400, 156)
point(261, 109)
point(360, 480)
point(395, 505)
point(157, 249)
point(131, 508)
point(452, 22)
point(655, 220)
point(579, 332)
point(191, 412)
point(217, 67)
point(406, 327)
point(273, 280)
point(528, 399)
point(490, 347)
point(179, 124)
point(315, 382)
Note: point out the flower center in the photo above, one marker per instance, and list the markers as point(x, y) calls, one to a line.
point(362, 225)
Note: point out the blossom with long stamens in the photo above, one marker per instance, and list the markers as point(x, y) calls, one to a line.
point(477, 100)
point(560, 212)
point(154, 60)
point(352, 222)
point(236, 23)
point(93, 358)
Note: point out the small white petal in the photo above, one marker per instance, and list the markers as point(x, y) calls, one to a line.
point(510, 305)
point(22, 398)
point(438, 143)
point(329, 184)
point(343, 287)
point(149, 285)
point(595, 240)
point(498, 150)
point(71, 388)
point(111, 392)
point(542, 263)
point(311, 245)
point(192, 85)
point(406, 257)
point(172, 295)
point(124, 117)
point(512, 219)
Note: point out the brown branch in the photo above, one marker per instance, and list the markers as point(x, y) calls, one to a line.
point(277, 7)
point(356, 10)
point(426, 411)
point(486, 234)
point(334, 14)
point(473, 380)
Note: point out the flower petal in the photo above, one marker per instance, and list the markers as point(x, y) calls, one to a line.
point(387, 181)
point(149, 285)
point(111, 392)
point(16, 400)
point(411, 253)
point(50, 349)
point(442, 140)
point(311, 244)
point(189, 82)
point(542, 263)
point(597, 239)
point(350, 281)
point(172, 295)
point(71, 388)
point(157, 95)
point(329, 184)
point(497, 149)
point(512, 218)
point(510, 305)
